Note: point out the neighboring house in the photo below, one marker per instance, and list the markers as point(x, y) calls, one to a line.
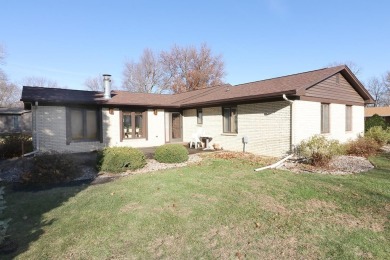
point(15, 120)
point(274, 115)
point(384, 112)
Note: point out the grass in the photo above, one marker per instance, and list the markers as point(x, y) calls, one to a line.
point(217, 209)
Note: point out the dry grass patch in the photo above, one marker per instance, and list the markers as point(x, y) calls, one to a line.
point(247, 157)
point(131, 207)
point(270, 204)
point(251, 241)
point(167, 247)
point(313, 205)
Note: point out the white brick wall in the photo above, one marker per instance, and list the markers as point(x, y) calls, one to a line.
point(267, 126)
point(307, 121)
point(51, 131)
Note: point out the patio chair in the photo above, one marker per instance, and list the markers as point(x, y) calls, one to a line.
point(195, 140)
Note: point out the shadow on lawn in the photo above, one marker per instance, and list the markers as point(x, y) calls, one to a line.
point(27, 209)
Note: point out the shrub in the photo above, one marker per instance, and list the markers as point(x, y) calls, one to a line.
point(171, 153)
point(11, 145)
point(363, 146)
point(120, 159)
point(320, 150)
point(380, 135)
point(375, 120)
point(50, 168)
point(3, 223)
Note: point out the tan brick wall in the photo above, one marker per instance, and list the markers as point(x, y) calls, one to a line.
point(267, 126)
point(51, 131)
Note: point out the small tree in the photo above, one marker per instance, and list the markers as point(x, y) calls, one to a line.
point(375, 120)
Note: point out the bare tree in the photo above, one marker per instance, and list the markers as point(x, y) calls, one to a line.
point(145, 76)
point(177, 70)
point(356, 69)
point(187, 68)
point(386, 80)
point(34, 81)
point(378, 91)
point(9, 93)
point(96, 83)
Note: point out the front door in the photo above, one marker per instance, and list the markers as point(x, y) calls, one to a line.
point(175, 130)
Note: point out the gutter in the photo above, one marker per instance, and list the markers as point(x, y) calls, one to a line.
point(35, 132)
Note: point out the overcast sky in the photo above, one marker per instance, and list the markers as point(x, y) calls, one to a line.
point(69, 41)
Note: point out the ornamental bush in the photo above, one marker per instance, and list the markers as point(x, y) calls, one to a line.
point(379, 134)
point(375, 120)
point(171, 153)
point(50, 168)
point(120, 159)
point(363, 146)
point(320, 150)
point(11, 145)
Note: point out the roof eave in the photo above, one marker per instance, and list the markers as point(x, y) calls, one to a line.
point(239, 99)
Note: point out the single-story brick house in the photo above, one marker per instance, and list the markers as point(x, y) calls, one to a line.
point(384, 112)
point(15, 120)
point(273, 114)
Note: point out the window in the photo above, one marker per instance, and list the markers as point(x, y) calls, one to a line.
point(229, 119)
point(16, 122)
point(325, 118)
point(199, 116)
point(82, 124)
point(133, 125)
point(348, 118)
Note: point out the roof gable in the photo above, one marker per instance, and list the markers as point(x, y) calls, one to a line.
point(335, 87)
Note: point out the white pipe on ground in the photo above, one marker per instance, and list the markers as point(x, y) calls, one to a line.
point(30, 153)
point(275, 164)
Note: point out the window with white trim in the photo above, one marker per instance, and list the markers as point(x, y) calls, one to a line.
point(133, 125)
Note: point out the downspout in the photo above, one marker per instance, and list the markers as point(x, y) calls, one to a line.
point(292, 122)
point(35, 132)
point(277, 164)
point(36, 125)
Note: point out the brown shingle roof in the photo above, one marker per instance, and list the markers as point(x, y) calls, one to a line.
point(382, 111)
point(295, 84)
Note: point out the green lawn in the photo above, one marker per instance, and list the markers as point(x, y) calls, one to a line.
point(218, 209)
